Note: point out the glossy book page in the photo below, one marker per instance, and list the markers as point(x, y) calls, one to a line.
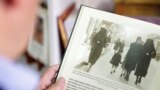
point(111, 52)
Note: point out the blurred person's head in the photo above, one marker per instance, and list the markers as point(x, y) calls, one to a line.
point(17, 21)
point(139, 40)
point(149, 44)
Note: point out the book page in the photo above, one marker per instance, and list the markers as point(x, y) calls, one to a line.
point(111, 52)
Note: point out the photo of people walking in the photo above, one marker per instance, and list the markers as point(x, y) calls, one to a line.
point(147, 53)
point(135, 50)
point(124, 54)
point(115, 61)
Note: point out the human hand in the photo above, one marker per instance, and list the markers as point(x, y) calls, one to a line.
point(46, 82)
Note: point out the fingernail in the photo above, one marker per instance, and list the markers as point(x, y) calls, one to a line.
point(61, 82)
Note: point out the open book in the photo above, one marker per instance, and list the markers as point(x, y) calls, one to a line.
point(111, 52)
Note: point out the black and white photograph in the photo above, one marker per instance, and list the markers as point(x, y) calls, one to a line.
point(121, 53)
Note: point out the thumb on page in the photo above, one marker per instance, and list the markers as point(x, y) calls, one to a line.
point(59, 85)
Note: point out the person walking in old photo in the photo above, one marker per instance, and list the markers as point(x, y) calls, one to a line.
point(117, 45)
point(133, 56)
point(116, 59)
point(98, 42)
point(148, 52)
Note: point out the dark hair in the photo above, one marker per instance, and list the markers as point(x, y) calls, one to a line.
point(103, 30)
point(149, 44)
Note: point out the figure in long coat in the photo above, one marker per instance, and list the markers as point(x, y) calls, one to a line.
point(132, 57)
point(143, 65)
point(98, 42)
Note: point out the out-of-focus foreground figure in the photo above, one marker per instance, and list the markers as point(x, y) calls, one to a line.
point(17, 21)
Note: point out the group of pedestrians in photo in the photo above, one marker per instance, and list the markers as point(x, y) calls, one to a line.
point(137, 59)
